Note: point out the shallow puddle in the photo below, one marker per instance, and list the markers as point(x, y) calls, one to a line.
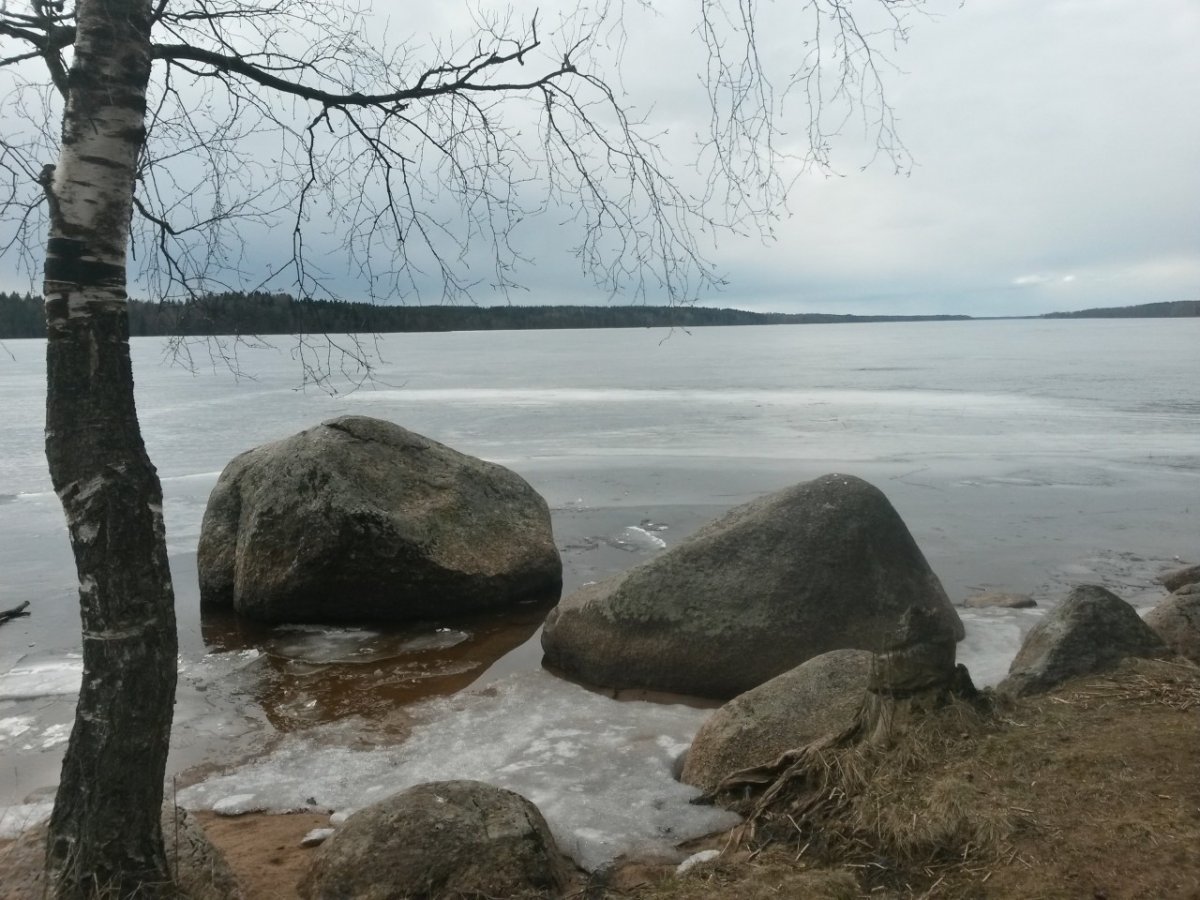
point(306, 675)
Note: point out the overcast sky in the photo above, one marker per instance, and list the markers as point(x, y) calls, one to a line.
point(1057, 166)
point(1058, 151)
point(1057, 145)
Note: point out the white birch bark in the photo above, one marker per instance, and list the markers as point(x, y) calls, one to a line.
point(105, 835)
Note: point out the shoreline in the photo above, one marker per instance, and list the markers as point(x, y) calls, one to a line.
point(1058, 840)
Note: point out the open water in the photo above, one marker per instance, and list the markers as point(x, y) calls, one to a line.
point(1024, 456)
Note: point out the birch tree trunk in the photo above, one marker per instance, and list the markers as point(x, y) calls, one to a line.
point(105, 837)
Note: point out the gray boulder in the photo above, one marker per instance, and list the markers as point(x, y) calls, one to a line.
point(1177, 578)
point(999, 599)
point(1092, 630)
point(1177, 621)
point(444, 839)
point(359, 519)
point(820, 566)
point(816, 698)
point(200, 870)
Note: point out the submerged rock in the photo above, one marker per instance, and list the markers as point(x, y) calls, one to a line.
point(999, 599)
point(359, 519)
point(818, 697)
point(443, 839)
point(1177, 621)
point(820, 566)
point(1092, 630)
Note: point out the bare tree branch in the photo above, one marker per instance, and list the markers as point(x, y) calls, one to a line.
point(17, 612)
point(465, 72)
point(420, 162)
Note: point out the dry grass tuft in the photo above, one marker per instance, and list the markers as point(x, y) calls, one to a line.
point(1093, 790)
point(769, 875)
point(1143, 682)
point(887, 811)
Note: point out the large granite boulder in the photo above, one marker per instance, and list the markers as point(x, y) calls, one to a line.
point(816, 698)
point(1177, 621)
point(443, 839)
point(820, 566)
point(359, 519)
point(199, 870)
point(1090, 631)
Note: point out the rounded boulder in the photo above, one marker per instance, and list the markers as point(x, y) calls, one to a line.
point(816, 698)
point(823, 565)
point(1177, 621)
point(359, 519)
point(443, 839)
point(1179, 578)
point(1090, 631)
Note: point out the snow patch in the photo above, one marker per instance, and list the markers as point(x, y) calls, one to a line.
point(236, 805)
point(22, 733)
point(54, 735)
point(635, 534)
point(15, 819)
point(316, 837)
point(15, 726)
point(695, 859)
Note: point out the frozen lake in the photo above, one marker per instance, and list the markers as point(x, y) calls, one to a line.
point(1024, 456)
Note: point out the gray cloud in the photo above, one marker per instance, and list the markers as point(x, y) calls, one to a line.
point(1057, 148)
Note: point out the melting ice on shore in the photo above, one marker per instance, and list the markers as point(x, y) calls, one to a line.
point(993, 637)
point(33, 679)
point(635, 537)
point(598, 769)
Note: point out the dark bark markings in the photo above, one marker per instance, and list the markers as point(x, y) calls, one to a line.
point(105, 835)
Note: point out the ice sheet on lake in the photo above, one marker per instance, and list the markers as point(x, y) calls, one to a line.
point(1131, 576)
point(598, 769)
point(960, 401)
point(42, 678)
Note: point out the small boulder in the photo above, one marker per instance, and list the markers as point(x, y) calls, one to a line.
point(820, 566)
point(359, 519)
point(1177, 621)
point(1177, 578)
point(443, 839)
point(1092, 630)
point(1000, 599)
point(818, 697)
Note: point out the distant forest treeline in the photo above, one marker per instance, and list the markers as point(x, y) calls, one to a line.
point(1173, 309)
point(262, 313)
